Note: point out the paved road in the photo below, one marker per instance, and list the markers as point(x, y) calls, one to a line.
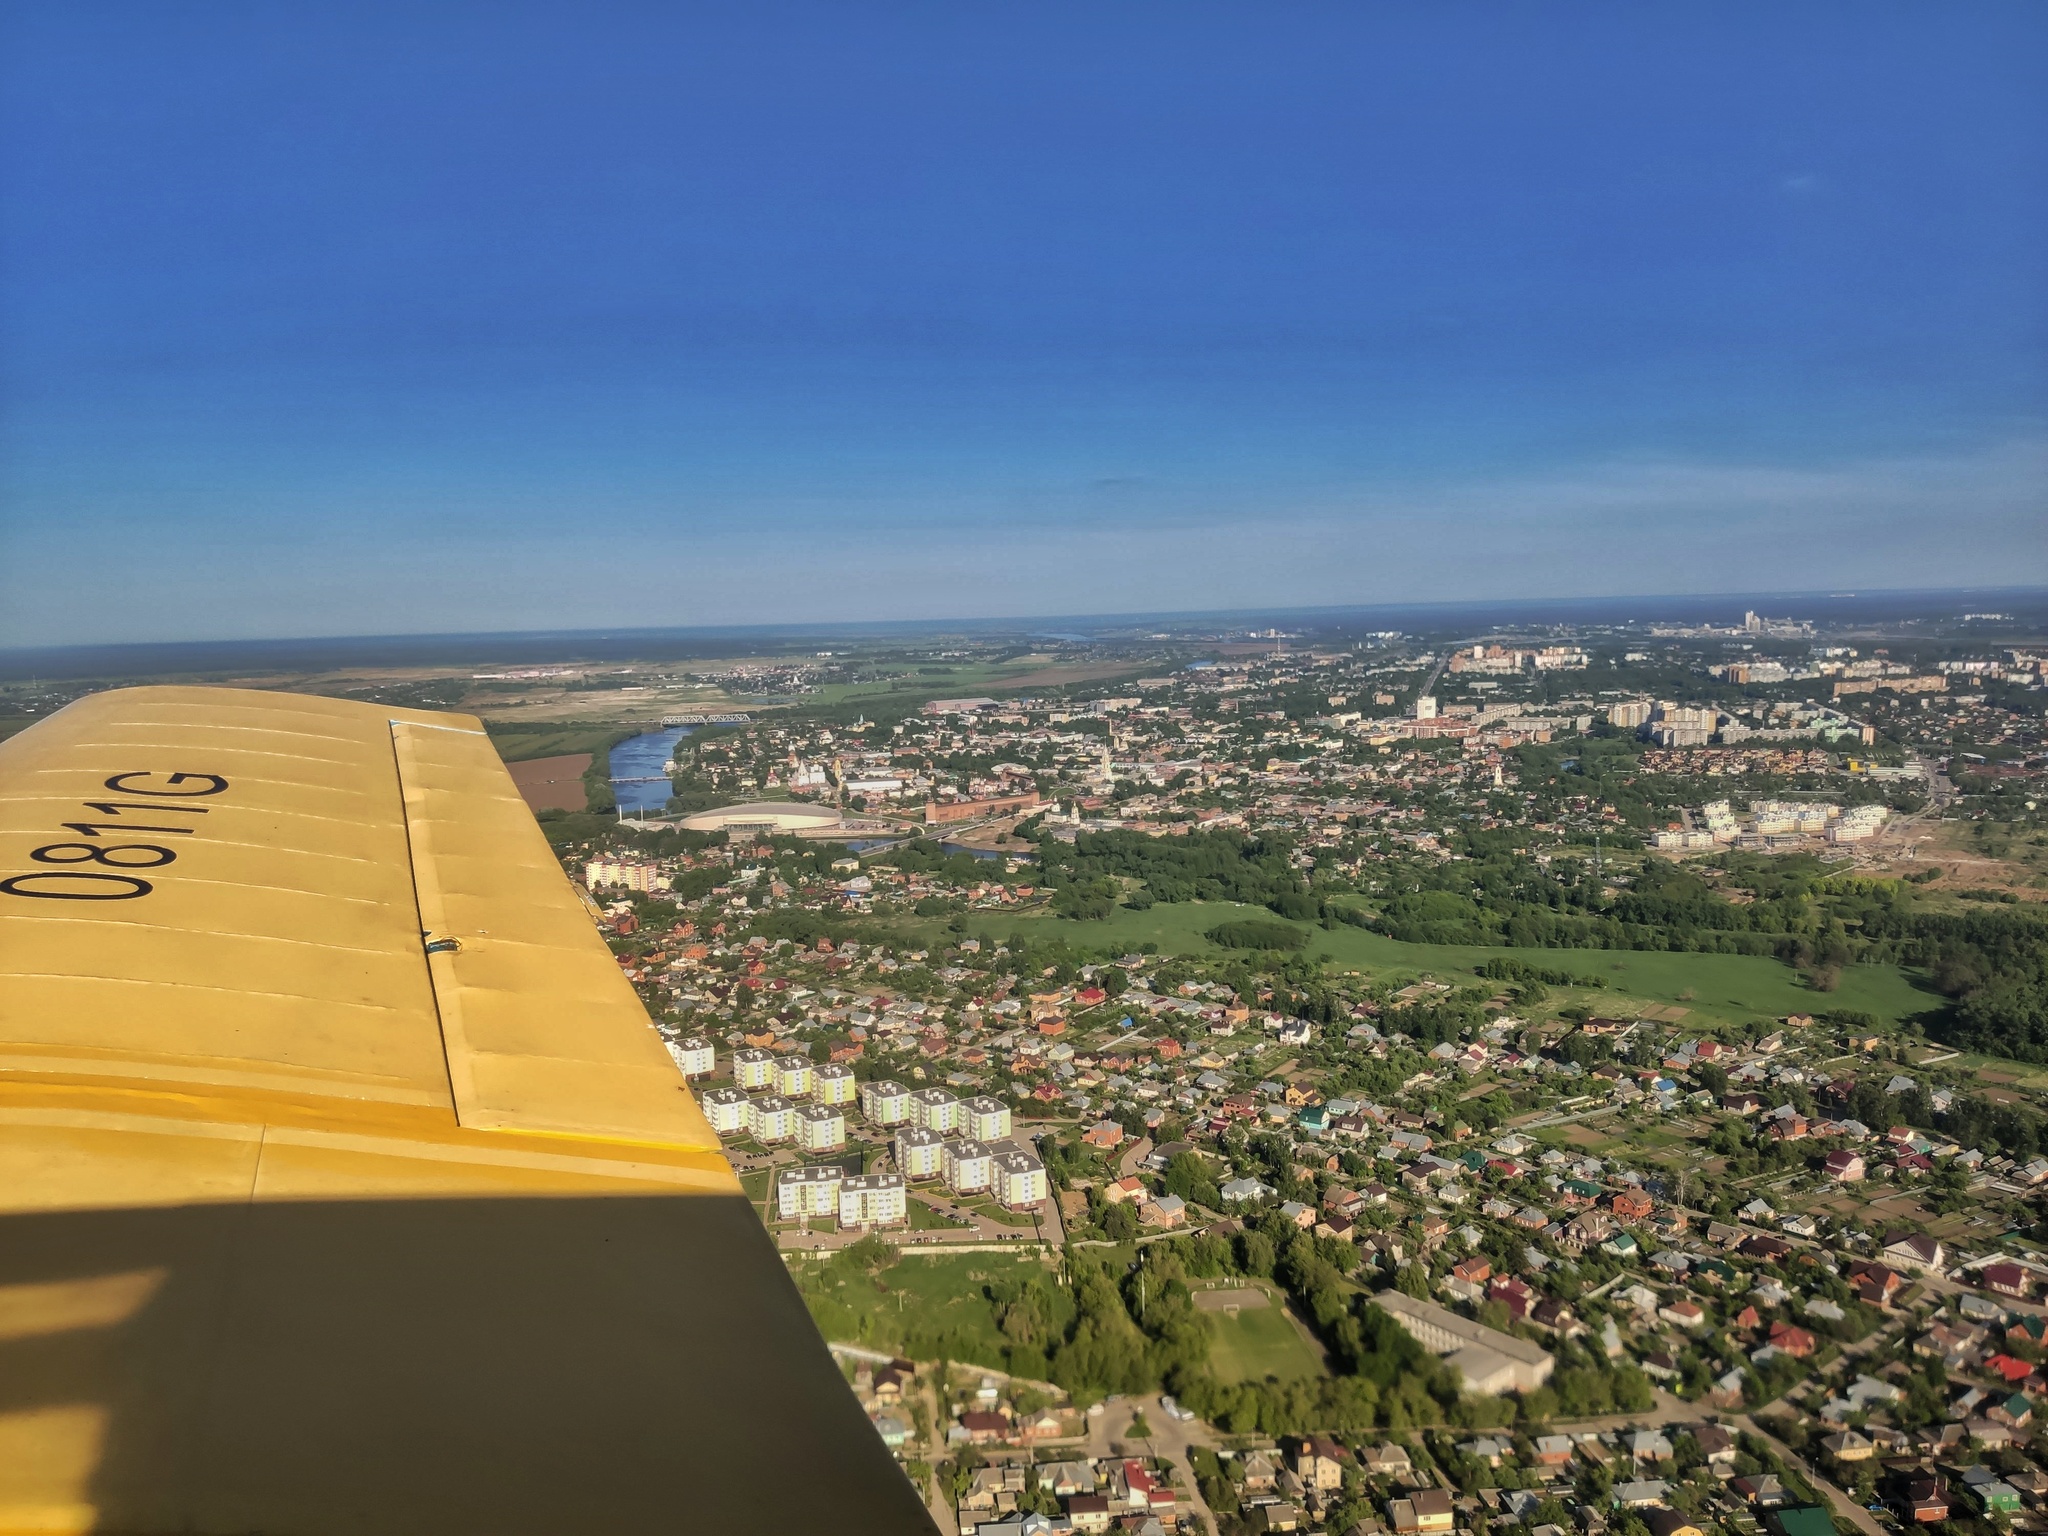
point(1170, 1440)
point(1902, 832)
point(1128, 1161)
point(1538, 1122)
point(1941, 789)
point(1844, 1506)
point(1444, 660)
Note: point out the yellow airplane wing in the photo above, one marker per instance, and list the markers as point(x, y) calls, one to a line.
point(344, 1186)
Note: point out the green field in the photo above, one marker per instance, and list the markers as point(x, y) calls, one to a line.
point(938, 1296)
point(1713, 988)
point(1258, 1342)
point(522, 742)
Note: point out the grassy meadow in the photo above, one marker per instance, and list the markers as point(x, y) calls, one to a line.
point(1713, 989)
point(940, 1298)
point(520, 743)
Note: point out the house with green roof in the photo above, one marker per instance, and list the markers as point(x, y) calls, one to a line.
point(1998, 1498)
point(1810, 1521)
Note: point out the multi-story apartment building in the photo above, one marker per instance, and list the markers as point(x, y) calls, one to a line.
point(969, 1167)
point(936, 1110)
point(630, 874)
point(694, 1056)
point(873, 1200)
point(986, 1119)
point(1020, 1179)
point(820, 1128)
point(835, 1084)
point(726, 1109)
point(1858, 824)
point(793, 1077)
point(805, 1192)
point(753, 1069)
point(920, 1154)
point(771, 1118)
point(885, 1103)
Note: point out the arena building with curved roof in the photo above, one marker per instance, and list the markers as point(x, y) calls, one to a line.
point(766, 816)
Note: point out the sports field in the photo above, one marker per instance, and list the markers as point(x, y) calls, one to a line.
point(1253, 1342)
point(1711, 988)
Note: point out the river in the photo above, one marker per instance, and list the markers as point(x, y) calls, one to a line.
point(641, 757)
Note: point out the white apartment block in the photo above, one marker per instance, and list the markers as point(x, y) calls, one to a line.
point(935, 1110)
point(793, 1077)
point(1681, 735)
point(920, 1154)
point(1020, 1179)
point(694, 1056)
point(873, 1200)
point(885, 1103)
point(820, 1128)
point(753, 1068)
point(835, 1084)
point(1864, 821)
point(1683, 840)
point(986, 1119)
point(802, 1192)
point(771, 1118)
point(1777, 817)
point(1687, 717)
point(969, 1167)
point(726, 1109)
point(629, 874)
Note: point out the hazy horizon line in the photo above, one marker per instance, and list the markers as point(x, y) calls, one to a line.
point(1027, 622)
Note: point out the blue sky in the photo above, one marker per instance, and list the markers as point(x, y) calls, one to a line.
point(339, 320)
